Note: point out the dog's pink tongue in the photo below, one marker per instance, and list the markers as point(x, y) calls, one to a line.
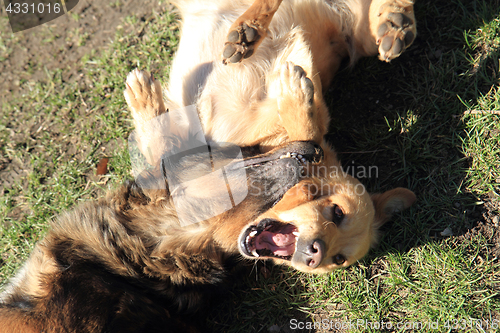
point(280, 244)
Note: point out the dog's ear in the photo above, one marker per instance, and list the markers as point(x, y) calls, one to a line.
point(303, 192)
point(390, 202)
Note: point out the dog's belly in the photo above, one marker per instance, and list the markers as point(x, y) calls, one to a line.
point(229, 98)
point(203, 35)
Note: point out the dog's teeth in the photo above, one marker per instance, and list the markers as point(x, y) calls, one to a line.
point(294, 154)
point(253, 233)
point(299, 156)
point(304, 160)
point(254, 252)
point(287, 155)
point(295, 233)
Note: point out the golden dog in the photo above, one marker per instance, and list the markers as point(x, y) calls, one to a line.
point(255, 71)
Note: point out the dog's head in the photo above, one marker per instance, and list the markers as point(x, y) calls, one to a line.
point(322, 225)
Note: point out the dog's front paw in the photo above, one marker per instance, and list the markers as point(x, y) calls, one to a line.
point(294, 84)
point(143, 95)
point(296, 103)
point(242, 40)
point(396, 28)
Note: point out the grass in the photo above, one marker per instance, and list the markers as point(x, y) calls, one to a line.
point(428, 121)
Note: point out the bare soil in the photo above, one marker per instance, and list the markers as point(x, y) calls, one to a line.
point(61, 43)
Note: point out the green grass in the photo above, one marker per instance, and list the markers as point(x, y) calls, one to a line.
point(429, 121)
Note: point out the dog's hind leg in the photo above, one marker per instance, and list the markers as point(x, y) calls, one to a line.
point(386, 27)
point(144, 96)
point(395, 26)
point(248, 31)
point(145, 100)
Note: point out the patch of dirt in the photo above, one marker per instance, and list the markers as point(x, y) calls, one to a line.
point(327, 321)
point(61, 43)
point(489, 228)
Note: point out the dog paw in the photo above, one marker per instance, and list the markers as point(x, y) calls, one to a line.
point(143, 95)
point(396, 30)
point(296, 103)
point(294, 82)
point(242, 40)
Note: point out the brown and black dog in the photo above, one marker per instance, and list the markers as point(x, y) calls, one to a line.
point(124, 264)
point(254, 70)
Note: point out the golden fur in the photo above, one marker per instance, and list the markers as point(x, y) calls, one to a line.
point(267, 90)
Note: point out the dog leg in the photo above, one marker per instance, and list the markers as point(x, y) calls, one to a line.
point(144, 96)
point(298, 104)
point(393, 25)
point(248, 31)
point(145, 100)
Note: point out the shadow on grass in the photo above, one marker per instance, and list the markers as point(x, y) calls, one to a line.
point(263, 298)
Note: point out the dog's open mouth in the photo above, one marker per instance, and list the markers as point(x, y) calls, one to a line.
point(269, 239)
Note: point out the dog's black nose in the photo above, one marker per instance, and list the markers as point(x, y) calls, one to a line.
point(316, 252)
point(311, 253)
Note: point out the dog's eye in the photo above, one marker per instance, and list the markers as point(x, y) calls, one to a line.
point(337, 214)
point(339, 259)
point(333, 213)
